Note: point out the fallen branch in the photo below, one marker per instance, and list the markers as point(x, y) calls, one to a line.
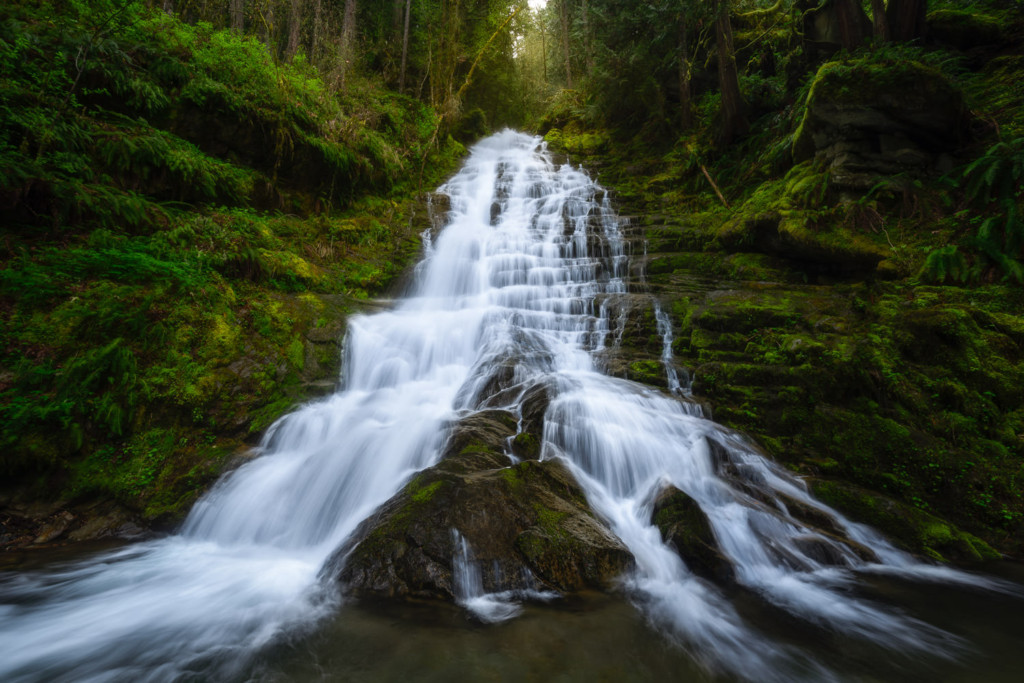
point(713, 186)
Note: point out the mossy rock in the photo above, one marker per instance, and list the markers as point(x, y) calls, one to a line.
point(915, 530)
point(795, 237)
point(963, 30)
point(686, 528)
point(572, 140)
point(867, 120)
point(529, 516)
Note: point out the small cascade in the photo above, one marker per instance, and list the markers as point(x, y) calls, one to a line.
point(671, 374)
point(468, 584)
point(511, 295)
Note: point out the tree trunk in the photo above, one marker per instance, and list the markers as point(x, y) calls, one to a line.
point(268, 28)
point(348, 39)
point(237, 15)
point(907, 19)
point(544, 51)
point(588, 52)
point(318, 30)
point(880, 21)
point(685, 101)
point(850, 21)
point(405, 46)
point(294, 28)
point(563, 11)
point(734, 117)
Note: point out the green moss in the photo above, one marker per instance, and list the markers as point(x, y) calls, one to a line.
point(526, 445)
point(572, 140)
point(424, 494)
point(550, 521)
point(648, 371)
point(296, 354)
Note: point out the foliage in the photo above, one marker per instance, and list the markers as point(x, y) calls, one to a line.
point(180, 210)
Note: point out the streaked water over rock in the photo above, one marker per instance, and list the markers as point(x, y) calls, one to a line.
point(513, 309)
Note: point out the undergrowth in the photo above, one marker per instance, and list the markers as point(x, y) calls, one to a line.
point(178, 208)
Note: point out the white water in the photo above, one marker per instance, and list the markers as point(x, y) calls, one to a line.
point(510, 293)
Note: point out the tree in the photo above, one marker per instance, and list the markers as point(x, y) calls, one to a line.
point(734, 117)
point(907, 19)
point(348, 39)
point(237, 12)
point(685, 98)
point(294, 28)
point(405, 47)
point(881, 22)
point(851, 22)
point(563, 15)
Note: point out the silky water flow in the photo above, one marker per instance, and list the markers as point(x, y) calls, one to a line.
point(527, 273)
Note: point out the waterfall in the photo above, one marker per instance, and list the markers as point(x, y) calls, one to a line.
point(511, 292)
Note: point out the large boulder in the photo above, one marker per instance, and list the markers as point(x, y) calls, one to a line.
point(868, 120)
point(686, 528)
point(528, 525)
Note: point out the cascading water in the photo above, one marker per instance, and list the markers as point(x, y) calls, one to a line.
point(515, 290)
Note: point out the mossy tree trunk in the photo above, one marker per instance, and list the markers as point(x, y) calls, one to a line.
point(907, 19)
point(563, 15)
point(734, 115)
point(348, 38)
point(880, 21)
point(588, 48)
point(685, 98)
point(294, 28)
point(318, 30)
point(405, 47)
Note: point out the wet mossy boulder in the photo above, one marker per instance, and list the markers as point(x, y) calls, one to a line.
point(686, 528)
point(528, 525)
point(915, 530)
point(867, 119)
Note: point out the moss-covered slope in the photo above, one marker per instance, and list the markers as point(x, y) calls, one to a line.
point(186, 224)
point(843, 282)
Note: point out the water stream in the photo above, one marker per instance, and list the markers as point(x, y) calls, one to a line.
point(521, 286)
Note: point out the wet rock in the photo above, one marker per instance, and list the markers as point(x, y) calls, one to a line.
point(35, 525)
point(915, 530)
point(686, 528)
point(534, 405)
point(527, 524)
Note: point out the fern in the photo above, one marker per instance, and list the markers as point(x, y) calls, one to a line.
point(947, 264)
point(994, 185)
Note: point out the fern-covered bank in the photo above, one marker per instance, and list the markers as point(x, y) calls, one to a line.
point(186, 224)
point(844, 278)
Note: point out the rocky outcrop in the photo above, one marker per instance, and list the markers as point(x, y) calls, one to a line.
point(528, 525)
point(686, 528)
point(796, 238)
point(866, 120)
